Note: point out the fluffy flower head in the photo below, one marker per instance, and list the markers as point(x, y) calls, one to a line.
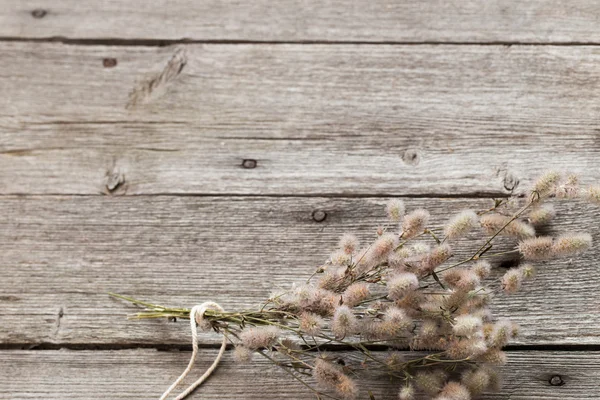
point(460, 224)
point(395, 210)
point(259, 337)
point(414, 223)
point(401, 284)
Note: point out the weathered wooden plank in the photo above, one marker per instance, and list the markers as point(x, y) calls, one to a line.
point(127, 374)
point(60, 255)
point(537, 21)
point(311, 119)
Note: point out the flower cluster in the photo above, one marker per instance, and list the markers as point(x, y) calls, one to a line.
point(409, 289)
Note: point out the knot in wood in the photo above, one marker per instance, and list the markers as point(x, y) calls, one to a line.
point(114, 180)
point(109, 62)
point(556, 380)
point(319, 215)
point(411, 157)
point(249, 163)
point(39, 13)
point(510, 181)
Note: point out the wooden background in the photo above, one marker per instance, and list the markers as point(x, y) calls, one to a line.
point(181, 151)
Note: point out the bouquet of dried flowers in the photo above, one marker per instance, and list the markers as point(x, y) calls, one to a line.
point(405, 290)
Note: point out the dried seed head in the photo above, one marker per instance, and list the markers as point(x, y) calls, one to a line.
point(519, 230)
point(317, 300)
point(500, 335)
point(569, 189)
point(476, 380)
point(348, 243)
point(363, 260)
point(401, 284)
point(395, 360)
point(430, 382)
point(456, 298)
point(288, 345)
point(495, 380)
point(329, 376)
point(420, 249)
point(492, 223)
point(242, 354)
point(592, 194)
point(493, 356)
point(333, 279)
point(512, 279)
point(455, 391)
point(536, 249)
point(545, 184)
point(397, 260)
point(542, 214)
point(429, 329)
point(435, 258)
point(311, 323)
point(344, 322)
point(259, 337)
point(476, 303)
point(414, 223)
point(461, 279)
point(395, 210)
point(382, 247)
point(459, 349)
point(460, 224)
point(397, 317)
point(340, 257)
point(482, 269)
point(466, 325)
point(406, 392)
point(404, 252)
point(355, 294)
point(527, 270)
point(347, 388)
point(571, 243)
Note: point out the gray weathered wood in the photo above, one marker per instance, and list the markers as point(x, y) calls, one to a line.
point(537, 21)
point(60, 255)
point(128, 374)
point(317, 119)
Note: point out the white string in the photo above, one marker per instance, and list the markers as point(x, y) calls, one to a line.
point(197, 316)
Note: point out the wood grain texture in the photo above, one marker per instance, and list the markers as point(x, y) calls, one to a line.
point(60, 255)
point(69, 374)
point(317, 120)
point(536, 21)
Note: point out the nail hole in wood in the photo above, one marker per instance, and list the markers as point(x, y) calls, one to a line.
point(172, 319)
point(556, 380)
point(109, 62)
point(249, 163)
point(39, 13)
point(319, 215)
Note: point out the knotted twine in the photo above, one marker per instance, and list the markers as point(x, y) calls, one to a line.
point(197, 317)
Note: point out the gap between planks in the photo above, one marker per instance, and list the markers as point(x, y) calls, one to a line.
point(171, 42)
point(333, 195)
point(570, 348)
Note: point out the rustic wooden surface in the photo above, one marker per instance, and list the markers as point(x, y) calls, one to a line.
point(197, 150)
point(62, 254)
point(534, 21)
point(142, 373)
point(316, 119)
